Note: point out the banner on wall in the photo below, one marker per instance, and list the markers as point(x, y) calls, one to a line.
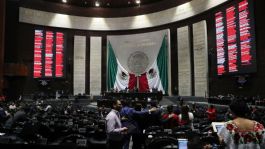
point(138, 61)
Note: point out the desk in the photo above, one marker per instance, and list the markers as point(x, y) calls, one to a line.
point(132, 95)
point(223, 101)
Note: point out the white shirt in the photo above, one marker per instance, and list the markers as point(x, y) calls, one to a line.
point(191, 117)
point(113, 121)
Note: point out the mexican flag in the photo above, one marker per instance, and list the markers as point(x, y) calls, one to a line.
point(155, 77)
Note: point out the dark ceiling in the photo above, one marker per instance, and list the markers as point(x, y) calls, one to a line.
point(110, 3)
point(107, 8)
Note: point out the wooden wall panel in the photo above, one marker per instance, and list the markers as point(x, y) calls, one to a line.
point(2, 41)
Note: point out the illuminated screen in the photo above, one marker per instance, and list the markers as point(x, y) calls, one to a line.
point(235, 39)
point(48, 54)
point(182, 143)
point(219, 127)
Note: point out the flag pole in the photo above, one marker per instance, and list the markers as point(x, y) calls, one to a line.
point(137, 84)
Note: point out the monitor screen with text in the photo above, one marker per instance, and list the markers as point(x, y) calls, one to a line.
point(235, 39)
point(49, 47)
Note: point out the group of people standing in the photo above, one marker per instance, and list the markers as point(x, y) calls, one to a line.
point(121, 125)
point(239, 133)
point(124, 123)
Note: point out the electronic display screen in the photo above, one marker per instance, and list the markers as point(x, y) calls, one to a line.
point(235, 39)
point(183, 143)
point(49, 47)
point(217, 126)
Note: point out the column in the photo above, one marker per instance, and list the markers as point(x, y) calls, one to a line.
point(95, 65)
point(184, 62)
point(79, 64)
point(200, 57)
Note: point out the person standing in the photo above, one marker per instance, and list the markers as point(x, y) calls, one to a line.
point(186, 117)
point(170, 120)
point(114, 128)
point(241, 132)
point(128, 115)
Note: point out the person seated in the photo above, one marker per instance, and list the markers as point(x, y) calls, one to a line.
point(211, 113)
point(12, 106)
point(135, 90)
point(186, 117)
point(126, 89)
point(194, 108)
point(48, 108)
point(3, 114)
point(154, 90)
point(228, 115)
point(241, 132)
point(170, 120)
point(20, 115)
point(2, 98)
point(102, 111)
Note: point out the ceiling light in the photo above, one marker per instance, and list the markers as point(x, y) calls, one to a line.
point(138, 1)
point(64, 1)
point(97, 4)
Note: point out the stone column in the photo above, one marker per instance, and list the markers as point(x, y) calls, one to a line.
point(184, 62)
point(79, 65)
point(95, 65)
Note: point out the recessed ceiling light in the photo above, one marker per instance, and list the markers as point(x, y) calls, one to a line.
point(64, 1)
point(138, 1)
point(97, 4)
